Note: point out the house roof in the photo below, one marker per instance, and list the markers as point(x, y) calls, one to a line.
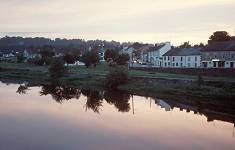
point(221, 46)
point(145, 48)
point(183, 51)
point(156, 47)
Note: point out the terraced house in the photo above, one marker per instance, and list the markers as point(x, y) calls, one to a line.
point(219, 55)
point(153, 54)
point(182, 58)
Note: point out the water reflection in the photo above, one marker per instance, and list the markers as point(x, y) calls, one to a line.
point(121, 101)
point(94, 98)
point(60, 93)
point(52, 116)
point(22, 89)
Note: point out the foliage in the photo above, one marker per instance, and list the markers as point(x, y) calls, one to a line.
point(20, 58)
point(117, 75)
point(36, 61)
point(110, 55)
point(137, 54)
point(57, 68)
point(75, 52)
point(69, 58)
point(123, 59)
point(220, 36)
point(90, 58)
point(185, 45)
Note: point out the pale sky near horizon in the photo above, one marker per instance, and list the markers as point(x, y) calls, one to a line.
point(122, 20)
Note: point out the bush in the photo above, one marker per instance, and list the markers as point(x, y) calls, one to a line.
point(90, 58)
point(117, 75)
point(123, 59)
point(57, 68)
point(20, 58)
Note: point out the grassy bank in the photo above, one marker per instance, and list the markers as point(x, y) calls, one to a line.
point(173, 84)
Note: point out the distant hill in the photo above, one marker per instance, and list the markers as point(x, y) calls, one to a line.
point(62, 45)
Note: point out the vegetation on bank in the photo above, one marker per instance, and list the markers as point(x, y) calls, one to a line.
point(97, 77)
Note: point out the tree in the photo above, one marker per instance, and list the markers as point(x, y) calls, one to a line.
point(123, 59)
point(220, 36)
point(57, 68)
point(137, 54)
point(185, 45)
point(117, 75)
point(69, 59)
point(75, 51)
point(86, 59)
point(110, 55)
point(20, 58)
point(95, 58)
point(90, 58)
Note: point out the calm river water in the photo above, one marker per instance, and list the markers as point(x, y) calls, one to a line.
point(51, 117)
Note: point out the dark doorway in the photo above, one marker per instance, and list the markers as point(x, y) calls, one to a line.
point(231, 65)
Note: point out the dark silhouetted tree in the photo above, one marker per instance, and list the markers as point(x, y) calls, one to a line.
point(20, 58)
point(220, 36)
point(110, 55)
point(123, 59)
point(57, 68)
point(69, 58)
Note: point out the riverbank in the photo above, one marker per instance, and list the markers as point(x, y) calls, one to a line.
point(141, 82)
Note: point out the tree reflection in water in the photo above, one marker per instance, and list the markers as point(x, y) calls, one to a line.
point(94, 101)
point(22, 89)
point(60, 93)
point(119, 99)
point(94, 98)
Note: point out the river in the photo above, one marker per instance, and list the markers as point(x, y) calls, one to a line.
point(46, 117)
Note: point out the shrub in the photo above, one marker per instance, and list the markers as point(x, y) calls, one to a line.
point(123, 59)
point(57, 68)
point(90, 58)
point(20, 58)
point(117, 75)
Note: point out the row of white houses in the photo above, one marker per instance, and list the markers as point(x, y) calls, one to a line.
point(214, 55)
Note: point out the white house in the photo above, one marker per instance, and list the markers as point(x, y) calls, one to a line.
point(182, 58)
point(76, 63)
point(153, 55)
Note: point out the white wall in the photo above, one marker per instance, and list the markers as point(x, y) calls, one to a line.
point(155, 57)
point(182, 61)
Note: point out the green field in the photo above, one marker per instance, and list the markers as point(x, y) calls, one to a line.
point(102, 70)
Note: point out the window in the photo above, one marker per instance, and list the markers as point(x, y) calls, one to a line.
point(168, 63)
point(168, 58)
point(195, 65)
point(196, 58)
point(181, 64)
point(164, 57)
point(181, 58)
point(173, 64)
point(176, 64)
point(189, 65)
point(189, 58)
point(173, 58)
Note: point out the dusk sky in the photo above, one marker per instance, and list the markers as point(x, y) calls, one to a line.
point(122, 20)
